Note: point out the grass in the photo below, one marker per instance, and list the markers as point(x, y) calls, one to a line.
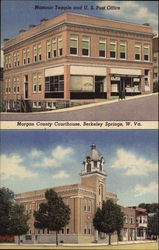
point(143, 246)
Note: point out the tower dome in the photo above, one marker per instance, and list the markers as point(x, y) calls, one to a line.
point(93, 162)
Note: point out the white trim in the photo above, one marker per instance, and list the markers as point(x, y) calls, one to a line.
point(87, 71)
point(54, 71)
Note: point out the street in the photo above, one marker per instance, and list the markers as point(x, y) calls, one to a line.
point(144, 108)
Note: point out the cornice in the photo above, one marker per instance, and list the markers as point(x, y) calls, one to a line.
point(79, 26)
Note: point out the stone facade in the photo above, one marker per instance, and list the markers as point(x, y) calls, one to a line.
point(68, 60)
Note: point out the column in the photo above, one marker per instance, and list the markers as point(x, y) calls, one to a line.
point(142, 81)
point(151, 80)
point(67, 82)
point(108, 80)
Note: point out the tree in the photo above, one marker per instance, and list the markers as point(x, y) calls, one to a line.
point(18, 221)
point(53, 214)
point(108, 219)
point(153, 225)
point(6, 199)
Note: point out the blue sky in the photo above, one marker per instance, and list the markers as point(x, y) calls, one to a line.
point(19, 14)
point(33, 160)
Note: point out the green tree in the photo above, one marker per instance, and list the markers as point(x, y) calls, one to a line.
point(52, 214)
point(6, 199)
point(153, 225)
point(108, 219)
point(18, 221)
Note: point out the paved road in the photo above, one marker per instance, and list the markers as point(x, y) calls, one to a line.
point(140, 109)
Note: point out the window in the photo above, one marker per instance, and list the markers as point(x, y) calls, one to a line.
point(67, 230)
point(85, 46)
point(102, 47)
point(35, 53)
point(89, 206)
point(39, 82)
point(28, 56)
point(73, 45)
point(125, 219)
point(60, 46)
point(85, 228)
point(62, 231)
point(146, 52)
point(14, 86)
point(50, 105)
point(112, 49)
point(147, 78)
point(48, 50)
point(9, 61)
point(39, 52)
point(17, 85)
point(24, 56)
point(6, 86)
point(137, 52)
point(6, 62)
point(89, 229)
point(15, 59)
point(54, 47)
point(131, 220)
point(122, 50)
point(9, 87)
point(85, 205)
point(34, 83)
point(18, 59)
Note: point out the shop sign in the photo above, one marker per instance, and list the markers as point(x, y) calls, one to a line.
point(136, 80)
point(113, 78)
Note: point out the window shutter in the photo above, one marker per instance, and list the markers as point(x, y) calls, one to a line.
point(137, 50)
point(146, 50)
point(54, 44)
point(85, 44)
point(122, 48)
point(112, 47)
point(102, 46)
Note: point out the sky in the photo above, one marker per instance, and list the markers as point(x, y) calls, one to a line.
point(32, 160)
point(19, 14)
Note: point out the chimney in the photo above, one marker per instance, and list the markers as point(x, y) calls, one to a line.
point(93, 146)
point(43, 20)
point(21, 31)
point(5, 40)
point(146, 24)
point(32, 26)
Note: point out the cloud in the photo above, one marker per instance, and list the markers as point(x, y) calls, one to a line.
point(140, 190)
point(132, 165)
point(11, 166)
point(133, 11)
point(57, 157)
point(36, 153)
point(61, 175)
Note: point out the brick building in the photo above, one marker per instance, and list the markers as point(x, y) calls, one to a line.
point(155, 59)
point(83, 200)
point(76, 57)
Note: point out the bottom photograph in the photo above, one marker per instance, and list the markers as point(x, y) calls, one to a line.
point(79, 187)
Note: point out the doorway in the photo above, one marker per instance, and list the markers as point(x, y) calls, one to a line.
point(25, 86)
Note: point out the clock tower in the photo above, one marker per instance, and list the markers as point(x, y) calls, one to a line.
point(93, 174)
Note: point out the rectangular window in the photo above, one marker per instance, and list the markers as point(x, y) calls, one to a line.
point(35, 53)
point(6, 86)
point(102, 47)
point(34, 83)
point(39, 52)
point(14, 86)
point(28, 56)
point(9, 61)
point(60, 46)
point(89, 206)
point(113, 49)
point(74, 45)
point(6, 62)
point(89, 229)
point(24, 56)
point(85, 228)
point(138, 52)
point(15, 59)
point(39, 82)
point(18, 59)
point(17, 85)
point(67, 230)
point(122, 50)
point(54, 48)
point(85, 205)
point(85, 46)
point(146, 52)
point(48, 50)
point(9, 86)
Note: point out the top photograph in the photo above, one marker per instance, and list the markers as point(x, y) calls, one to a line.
point(79, 60)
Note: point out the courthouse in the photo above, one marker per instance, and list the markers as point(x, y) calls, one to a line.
point(76, 58)
point(83, 199)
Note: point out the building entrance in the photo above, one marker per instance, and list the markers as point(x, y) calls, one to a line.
point(99, 87)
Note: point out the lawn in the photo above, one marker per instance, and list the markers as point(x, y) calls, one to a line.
point(143, 246)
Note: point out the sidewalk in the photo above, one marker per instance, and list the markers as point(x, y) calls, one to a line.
point(105, 102)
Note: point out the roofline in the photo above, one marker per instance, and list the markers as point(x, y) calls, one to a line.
point(65, 22)
point(103, 18)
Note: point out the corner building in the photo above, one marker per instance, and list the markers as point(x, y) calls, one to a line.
point(83, 200)
point(73, 58)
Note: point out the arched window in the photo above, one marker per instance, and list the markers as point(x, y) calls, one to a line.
point(88, 167)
